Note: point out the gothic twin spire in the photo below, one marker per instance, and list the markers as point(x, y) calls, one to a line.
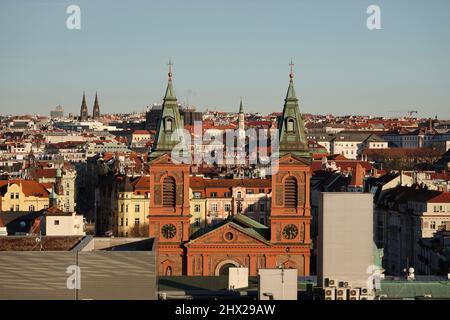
point(84, 109)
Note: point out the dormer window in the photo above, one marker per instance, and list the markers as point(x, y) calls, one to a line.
point(290, 125)
point(168, 124)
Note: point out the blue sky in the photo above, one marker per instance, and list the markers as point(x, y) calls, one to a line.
point(226, 49)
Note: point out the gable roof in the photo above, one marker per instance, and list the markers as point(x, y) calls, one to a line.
point(29, 187)
point(288, 157)
point(444, 197)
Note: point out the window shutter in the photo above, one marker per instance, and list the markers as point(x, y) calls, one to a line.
point(290, 192)
point(169, 192)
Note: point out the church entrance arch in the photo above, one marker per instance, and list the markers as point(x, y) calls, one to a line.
point(223, 266)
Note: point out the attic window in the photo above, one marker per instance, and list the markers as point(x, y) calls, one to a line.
point(290, 125)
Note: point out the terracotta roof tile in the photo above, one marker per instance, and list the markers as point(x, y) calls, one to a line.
point(199, 182)
point(29, 187)
point(141, 132)
point(444, 197)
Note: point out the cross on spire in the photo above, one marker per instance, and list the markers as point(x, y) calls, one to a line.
point(291, 74)
point(170, 64)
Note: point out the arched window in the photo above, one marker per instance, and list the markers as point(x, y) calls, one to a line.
point(290, 192)
point(169, 192)
point(168, 271)
point(290, 125)
point(31, 208)
point(169, 124)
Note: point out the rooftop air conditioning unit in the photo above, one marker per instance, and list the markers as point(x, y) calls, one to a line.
point(330, 282)
point(341, 294)
point(365, 291)
point(353, 294)
point(366, 297)
point(344, 284)
point(329, 293)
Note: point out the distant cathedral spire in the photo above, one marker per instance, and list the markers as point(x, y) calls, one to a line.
point(84, 109)
point(241, 108)
point(96, 110)
point(291, 126)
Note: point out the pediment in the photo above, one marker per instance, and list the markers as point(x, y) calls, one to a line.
point(221, 236)
point(291, 159)
point(163, 159)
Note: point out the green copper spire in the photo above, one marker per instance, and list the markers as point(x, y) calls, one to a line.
point(291, 92)
point(291, 126)
point(168, 135)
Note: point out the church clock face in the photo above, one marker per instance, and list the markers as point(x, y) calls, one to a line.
point(290, 231)
point(169, 231)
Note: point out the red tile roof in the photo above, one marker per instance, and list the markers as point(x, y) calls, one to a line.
point(45, 173)
point(141, 185)
point(358, 176)
point(343, 164)
point(141, 132)
point(52, 211)
point(29, 187)
point(444, 197)
point(264, 124)
point(199, 182)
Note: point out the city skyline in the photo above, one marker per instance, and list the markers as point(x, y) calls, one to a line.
point(230, 154)
point(122, 51)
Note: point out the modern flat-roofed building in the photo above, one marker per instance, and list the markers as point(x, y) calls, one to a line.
point(77, 268)
point(345, 241)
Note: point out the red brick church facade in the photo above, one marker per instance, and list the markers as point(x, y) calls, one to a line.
point(239, 240)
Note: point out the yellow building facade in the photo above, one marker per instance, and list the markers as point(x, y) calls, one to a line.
point(23, 195)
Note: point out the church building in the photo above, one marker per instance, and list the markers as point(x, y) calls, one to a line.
point(239, 240)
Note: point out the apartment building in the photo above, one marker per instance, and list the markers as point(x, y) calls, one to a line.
point(133, 206)
point(214, 200)
point(61, 178)
point(352, 145)
point(23, 195)
point(404, 217)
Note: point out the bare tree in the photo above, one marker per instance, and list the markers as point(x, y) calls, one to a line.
point(139, 231)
